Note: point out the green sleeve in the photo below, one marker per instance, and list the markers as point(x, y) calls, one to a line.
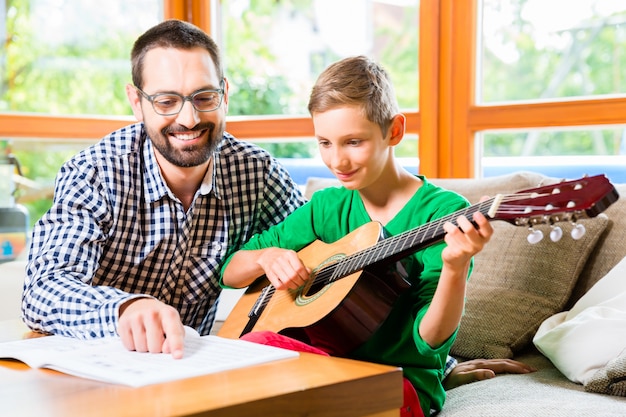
point(295, 232)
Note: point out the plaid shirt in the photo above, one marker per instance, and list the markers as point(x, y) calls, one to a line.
point(116, 231)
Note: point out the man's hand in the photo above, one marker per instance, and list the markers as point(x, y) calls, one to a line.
point(148, 325)
point(479, 369)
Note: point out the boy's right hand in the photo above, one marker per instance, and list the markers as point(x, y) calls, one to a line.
point(283, 268)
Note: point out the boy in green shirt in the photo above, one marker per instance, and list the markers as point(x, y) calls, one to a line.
point(357, 123)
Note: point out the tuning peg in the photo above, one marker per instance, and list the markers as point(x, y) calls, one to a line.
point(534, 236)
point(556, 234)
point(578, 231)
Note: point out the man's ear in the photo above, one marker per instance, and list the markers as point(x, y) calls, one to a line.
point(225, 95)
point(396, 129)
point(135, 101)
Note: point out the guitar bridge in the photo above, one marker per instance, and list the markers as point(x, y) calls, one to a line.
point(257, 309)
point(261, 302)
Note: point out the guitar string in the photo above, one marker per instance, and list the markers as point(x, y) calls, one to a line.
point(355, 262)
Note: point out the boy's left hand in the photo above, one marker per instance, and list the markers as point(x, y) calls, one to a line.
point(466, 239)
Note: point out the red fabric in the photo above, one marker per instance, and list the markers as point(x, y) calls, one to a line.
point(411, 406)
point(281, 341)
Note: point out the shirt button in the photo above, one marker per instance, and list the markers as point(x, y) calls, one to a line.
point(217, 246)
point(180, 215)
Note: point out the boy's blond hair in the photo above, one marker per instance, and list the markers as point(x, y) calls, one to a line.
point(356, 81)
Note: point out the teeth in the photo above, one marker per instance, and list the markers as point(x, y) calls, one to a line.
point(188, 136)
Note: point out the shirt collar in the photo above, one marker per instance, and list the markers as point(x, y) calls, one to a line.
point(155, 186)
point(208, 182)
point(212, 173)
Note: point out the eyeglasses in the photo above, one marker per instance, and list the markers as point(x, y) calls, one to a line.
point(170, 104)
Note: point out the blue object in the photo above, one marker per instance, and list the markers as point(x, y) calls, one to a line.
point(566, 167)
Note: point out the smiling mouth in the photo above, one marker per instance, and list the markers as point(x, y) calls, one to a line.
point(187, 136)
point(344, 174)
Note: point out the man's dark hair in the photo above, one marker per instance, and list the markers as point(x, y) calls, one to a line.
point(172, 33)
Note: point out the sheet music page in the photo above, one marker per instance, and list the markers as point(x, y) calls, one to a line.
point(109, 361)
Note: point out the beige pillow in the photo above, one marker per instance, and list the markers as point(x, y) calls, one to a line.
point(314, 184)
point(473, 188)
point(515, 286)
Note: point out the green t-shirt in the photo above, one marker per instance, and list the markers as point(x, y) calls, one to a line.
point(333, 213)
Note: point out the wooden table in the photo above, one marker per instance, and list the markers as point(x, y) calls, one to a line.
point(310, 385)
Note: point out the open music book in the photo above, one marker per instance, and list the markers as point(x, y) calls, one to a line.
point(107, 360)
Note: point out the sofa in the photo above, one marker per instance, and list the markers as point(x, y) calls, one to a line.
point(514, 287)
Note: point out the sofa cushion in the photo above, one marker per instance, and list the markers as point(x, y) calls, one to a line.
point(318, 183)
point(583, 341)
point(473, 189)
point(609, 251)
point(610, 379)
point(516, 285)
point(545, 393)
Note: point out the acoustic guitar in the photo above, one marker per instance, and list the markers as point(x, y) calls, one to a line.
point(353, 287)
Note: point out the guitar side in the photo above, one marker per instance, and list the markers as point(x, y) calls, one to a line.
point(299, 308)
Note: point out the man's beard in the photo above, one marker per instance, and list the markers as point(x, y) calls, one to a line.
point(188, 156)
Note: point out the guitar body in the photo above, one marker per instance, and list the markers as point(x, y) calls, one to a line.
point(336, 317)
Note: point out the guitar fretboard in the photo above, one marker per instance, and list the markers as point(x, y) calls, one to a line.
point(392, 248)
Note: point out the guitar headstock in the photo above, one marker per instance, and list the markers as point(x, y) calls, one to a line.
point(565, 201)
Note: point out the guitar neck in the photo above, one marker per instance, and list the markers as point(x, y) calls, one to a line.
point(399, 246)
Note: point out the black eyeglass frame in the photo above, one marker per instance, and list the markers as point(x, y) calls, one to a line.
point(189, 98)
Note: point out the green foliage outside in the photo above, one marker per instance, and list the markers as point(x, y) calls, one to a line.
point(88, 76)
point(593, 62)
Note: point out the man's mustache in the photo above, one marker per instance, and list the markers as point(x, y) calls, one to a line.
point(179, 129)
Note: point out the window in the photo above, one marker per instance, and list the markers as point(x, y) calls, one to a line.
point(71, 57)
point(555, 71)
point(64, 61)
point(274, 51)
point(564, 153)
point(532, 50)
point(479, 80)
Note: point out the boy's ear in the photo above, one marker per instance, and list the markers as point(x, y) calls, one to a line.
point(396, 129)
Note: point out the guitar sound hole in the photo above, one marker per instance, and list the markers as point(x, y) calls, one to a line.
point(315, 286)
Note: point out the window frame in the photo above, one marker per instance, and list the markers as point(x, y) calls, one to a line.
point(447, 120)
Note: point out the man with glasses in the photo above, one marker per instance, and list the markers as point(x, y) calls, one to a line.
point(142, 220)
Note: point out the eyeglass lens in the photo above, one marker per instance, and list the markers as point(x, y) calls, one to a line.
point(172, 103)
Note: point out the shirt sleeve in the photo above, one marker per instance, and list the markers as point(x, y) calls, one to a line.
point(451, 363)
point(294, 232)
point(67, 243)
point(281, 196)
point(441, 203)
